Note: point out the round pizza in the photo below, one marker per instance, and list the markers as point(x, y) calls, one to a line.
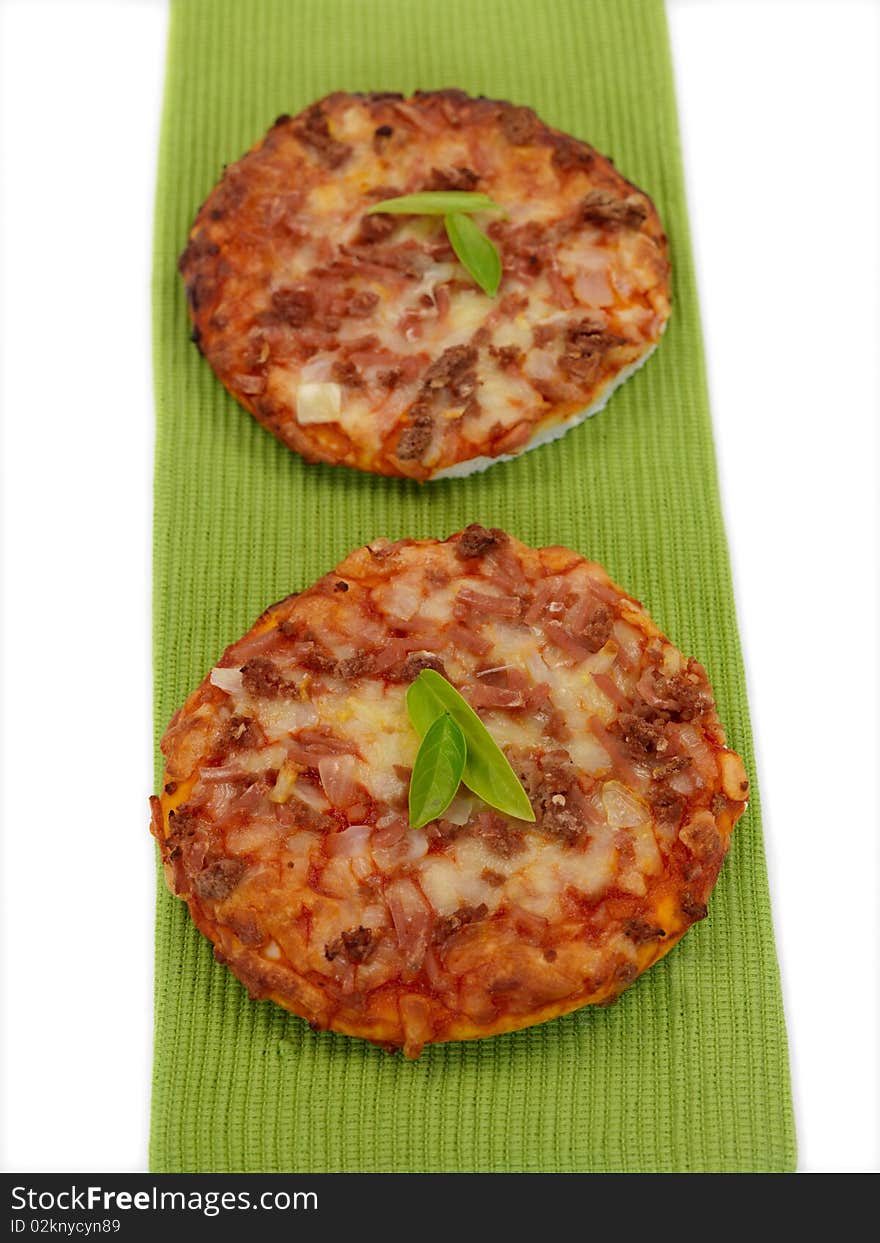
point(285, 819)
point(359, 336)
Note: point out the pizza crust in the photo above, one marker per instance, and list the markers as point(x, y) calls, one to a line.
point(359, 339)
point(549, 434)
point(282, 819)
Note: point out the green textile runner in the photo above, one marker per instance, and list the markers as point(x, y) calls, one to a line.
point(689, 1070)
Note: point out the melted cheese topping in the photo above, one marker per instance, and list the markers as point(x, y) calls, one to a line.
point(283, 820)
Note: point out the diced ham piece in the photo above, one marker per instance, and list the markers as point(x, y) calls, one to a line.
point(390, 834)
point(396, 650)
point(550, 591)
point(621, 762)
point(580, 612)
point(351, 843)
point(593, 288)
point(483, 696)
point(317, 742)
point(609, 687)
point(560, 637)
point(254, 645)
point(483, 602)
point(222, 772)
point(559, 289)
point(442, 301)
point(412, 918)
point(470, 640)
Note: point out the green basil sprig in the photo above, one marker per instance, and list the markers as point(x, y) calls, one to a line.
point(435, 203)
point(476, 252)
point(486, 770)
point(437, 772)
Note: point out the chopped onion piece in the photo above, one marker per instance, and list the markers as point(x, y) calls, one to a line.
point(433, 275)
point(622, 808)
point(257, 836)
point(299, 714)
point(734, 781)
point(318, 403)
point(318, 368)
point(541, 365)
point(684, 782)
point(306, 793)
point(361, 866)
point(630, 641)
point(459, 810)
point(228, 680)
point(416, 845)
point(402, 598)
point(671, 663)
point(647, 854)
point(436, 273)
point(694, 744)
point(337, 778)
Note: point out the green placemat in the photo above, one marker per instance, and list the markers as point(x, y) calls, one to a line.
point(688, 1071)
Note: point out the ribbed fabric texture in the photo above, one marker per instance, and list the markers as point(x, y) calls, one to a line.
point(688, 1071)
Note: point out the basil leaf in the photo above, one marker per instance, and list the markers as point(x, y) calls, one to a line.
point(476, 251)
point(436, 774)
point(486, 770)
point(435, 203)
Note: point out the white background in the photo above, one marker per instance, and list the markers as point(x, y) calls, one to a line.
point(779, 105)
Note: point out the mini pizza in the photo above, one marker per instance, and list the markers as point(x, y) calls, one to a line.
point(283, 819)
point(359, 338)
